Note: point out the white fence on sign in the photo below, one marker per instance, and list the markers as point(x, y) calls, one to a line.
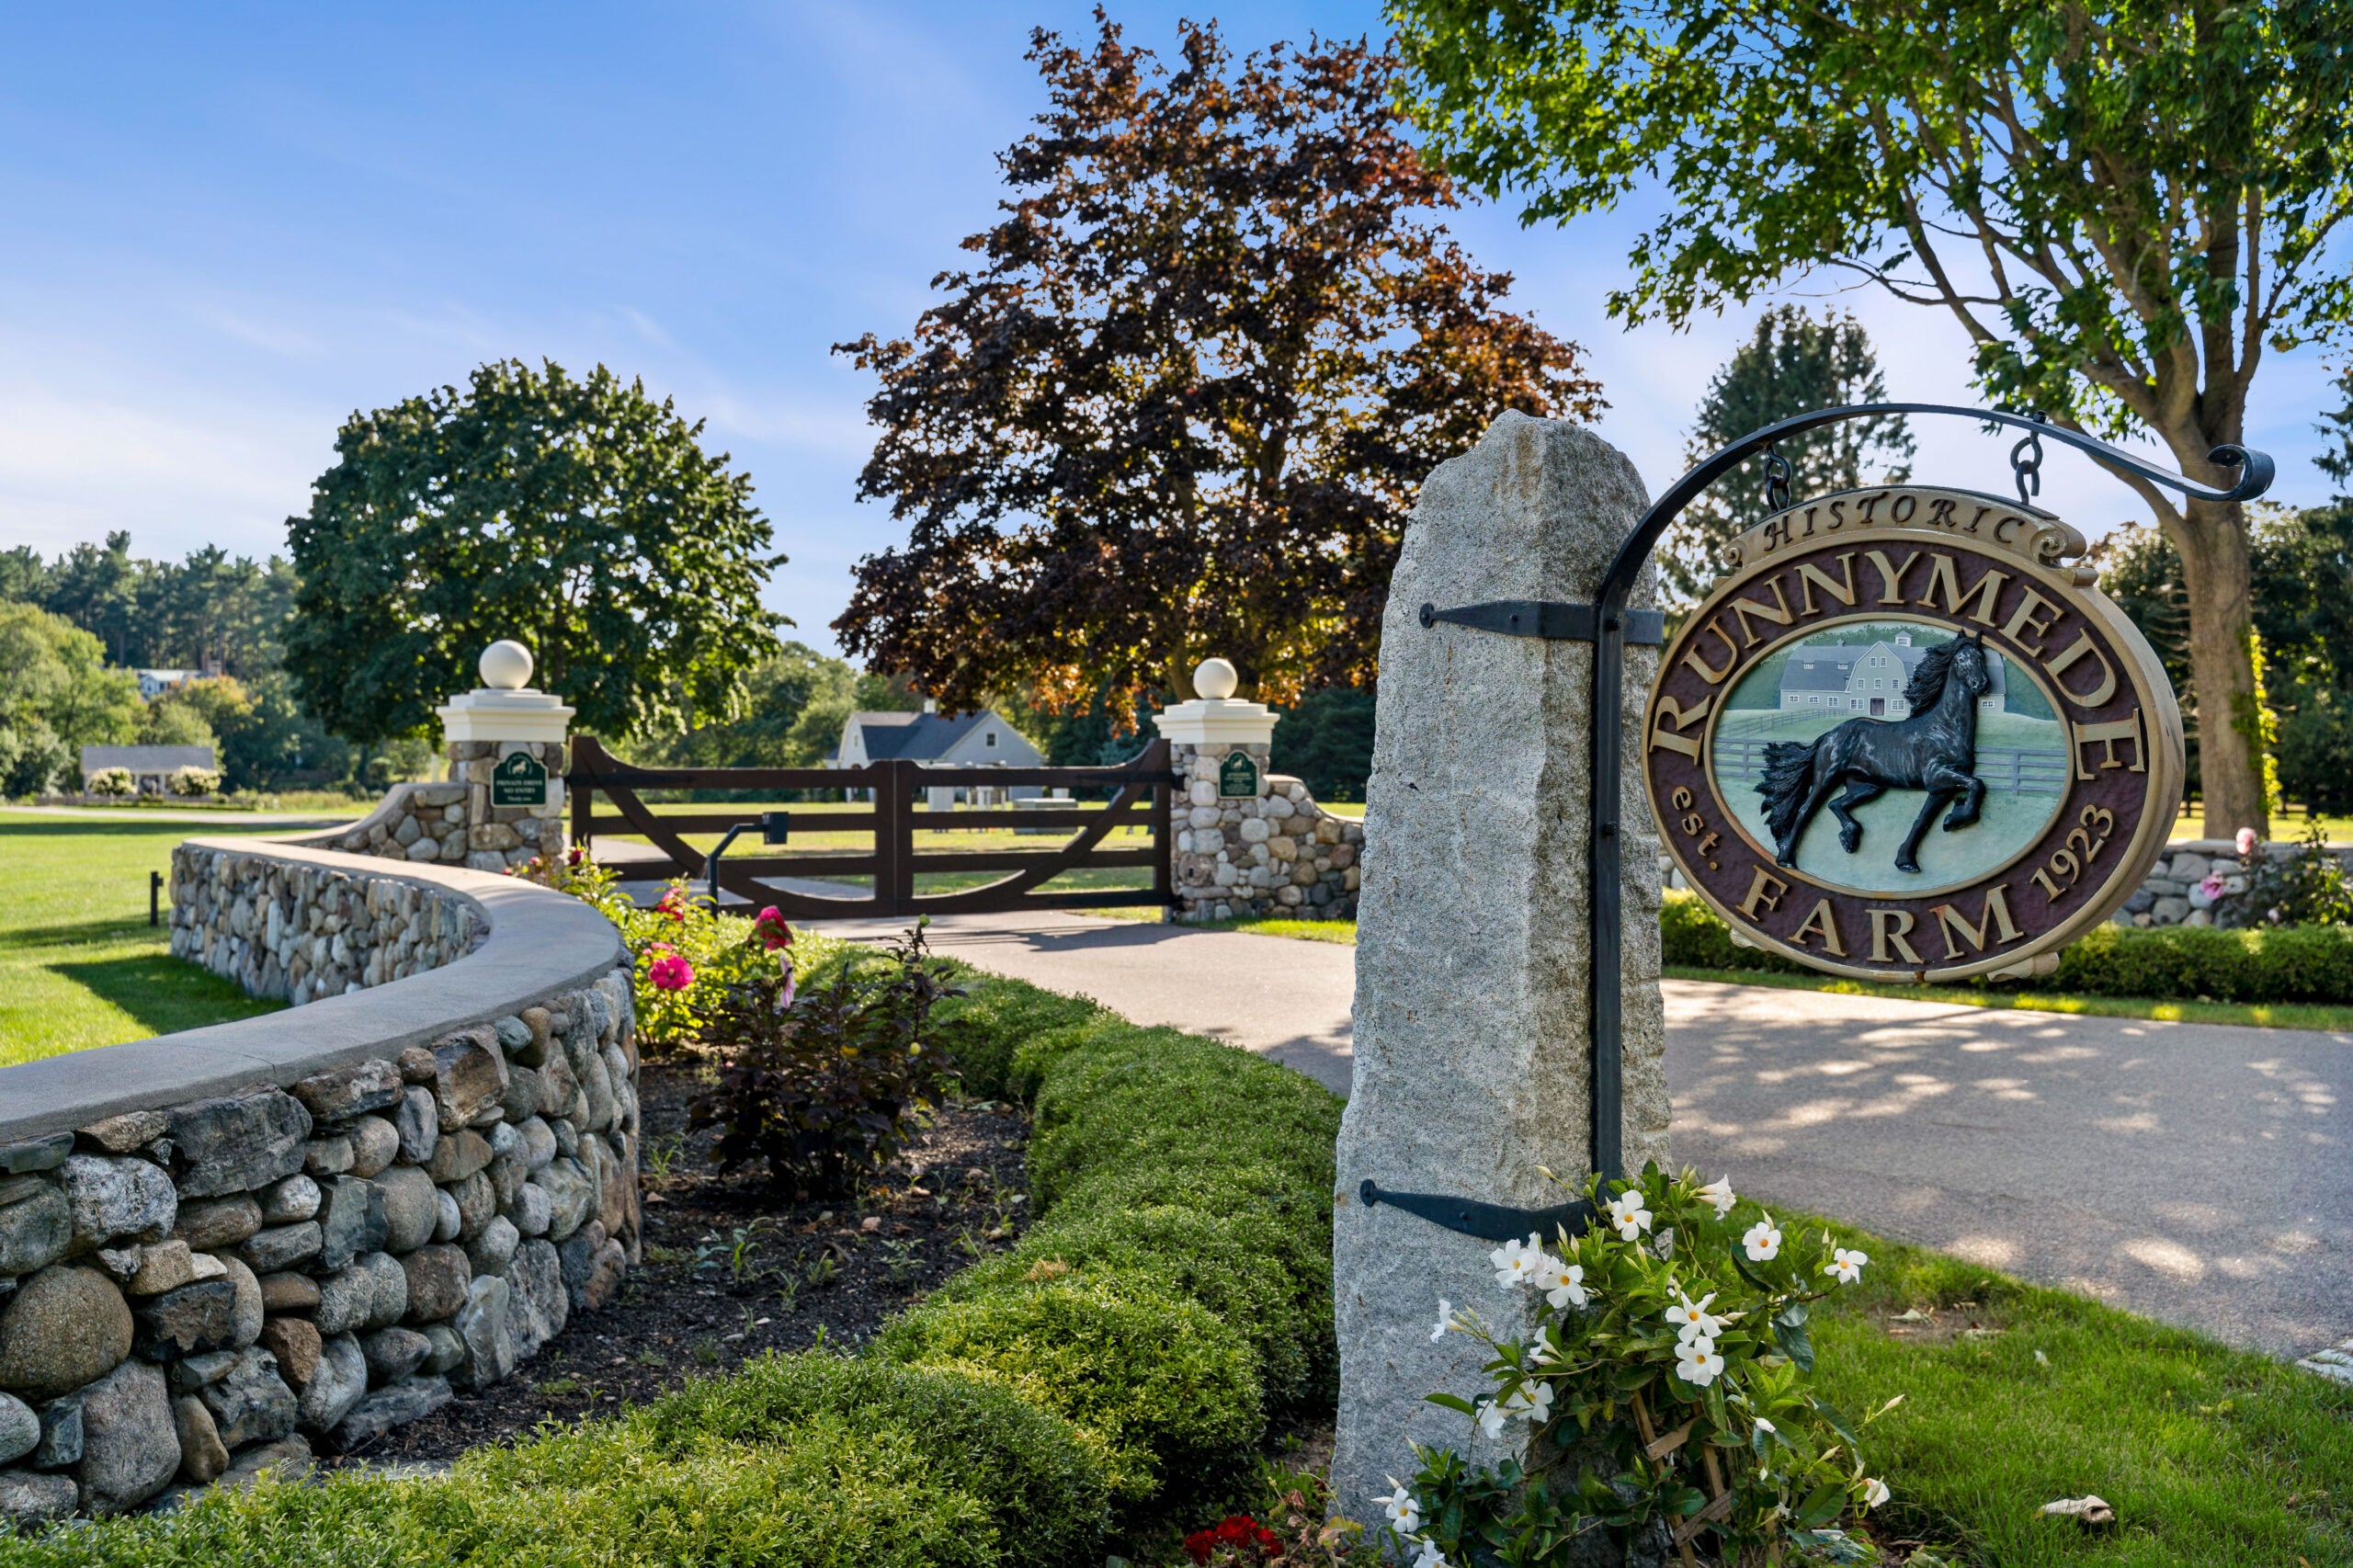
point(2007, 769)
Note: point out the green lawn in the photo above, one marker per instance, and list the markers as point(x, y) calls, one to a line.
point(2015, 1396)
point(79, 964)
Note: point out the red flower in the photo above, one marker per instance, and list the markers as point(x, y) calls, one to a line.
point(670, 972)
point(672, 905)
point(1239, 1531)
point(771, 930)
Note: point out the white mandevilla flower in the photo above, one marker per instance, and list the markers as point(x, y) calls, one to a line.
point(1431, 1557)
point(1762, 1426)
point(1403, 1511)
point(1719, 1192)
point(1874, 1492)
point(1626, 1212)
point(1531, 1402)
point(1696, 1361)
point(1492, 1417)
point(1846, 1265)
point(1696, 1320)
point(1445, 1320)
point(1562, 1283)
point(1515, 1262)
point(1761, 1241)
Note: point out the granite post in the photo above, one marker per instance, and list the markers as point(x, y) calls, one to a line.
point(1472, 1042)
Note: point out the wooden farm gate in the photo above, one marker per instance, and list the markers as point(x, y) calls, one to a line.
point(599, 780)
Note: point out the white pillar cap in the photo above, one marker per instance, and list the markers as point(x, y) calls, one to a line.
point(1214, 717)
point(504, 709)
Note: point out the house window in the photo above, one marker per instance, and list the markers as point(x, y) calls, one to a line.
point(989, 737)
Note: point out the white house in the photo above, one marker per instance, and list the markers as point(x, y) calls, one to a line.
point(153, 684)
point(151, 768)
point(1854, 677)
point(967, 740)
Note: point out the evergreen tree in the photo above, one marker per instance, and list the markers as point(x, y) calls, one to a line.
point(1791, 365)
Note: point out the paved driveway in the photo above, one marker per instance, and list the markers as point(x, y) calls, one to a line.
point(2200, 1174)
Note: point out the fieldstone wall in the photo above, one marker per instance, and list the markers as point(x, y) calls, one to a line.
point(197, 1292)
point(452, 823)
point(300, 932)
point(1279, 854)
point(2203, 882)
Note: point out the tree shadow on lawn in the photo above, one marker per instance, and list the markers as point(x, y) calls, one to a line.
point(164, 993)
point(118, 827)
point(81, 934)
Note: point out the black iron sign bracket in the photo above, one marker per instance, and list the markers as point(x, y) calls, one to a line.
point(1610, 623)
point(1488, 1222)
point(1549, 619)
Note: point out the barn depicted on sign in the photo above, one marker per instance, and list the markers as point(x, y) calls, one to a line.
point(1869, 677)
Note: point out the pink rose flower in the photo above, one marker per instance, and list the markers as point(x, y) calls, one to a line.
point(2246, 841)
point(670, 972)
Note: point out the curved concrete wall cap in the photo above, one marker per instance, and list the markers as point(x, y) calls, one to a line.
point(540, 943)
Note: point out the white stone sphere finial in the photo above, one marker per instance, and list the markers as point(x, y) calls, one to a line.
point(505, 666)
point(1215, 680)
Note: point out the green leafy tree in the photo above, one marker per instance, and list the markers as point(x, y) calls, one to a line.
point(56, 696)
point(96, 588)
point(579, 516)
point(176, 724)
point(2125, 206)
point(1181, 403)
point(1792, 363)
point(793, 713)
point(1324, 740)
point(2301, 563)
point(24, 575)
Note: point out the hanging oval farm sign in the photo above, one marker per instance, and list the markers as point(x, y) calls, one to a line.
point(1905, 739)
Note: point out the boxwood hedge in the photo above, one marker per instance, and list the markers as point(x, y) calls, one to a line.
point(2170, 963)
point(1114, 1371)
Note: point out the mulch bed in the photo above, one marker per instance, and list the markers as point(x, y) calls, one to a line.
point(732, 1270)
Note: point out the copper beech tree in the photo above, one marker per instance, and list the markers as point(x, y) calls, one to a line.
point(1181, 403)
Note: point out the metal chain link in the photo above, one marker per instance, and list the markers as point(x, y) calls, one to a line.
point(2026, 463)
point(1777, 473)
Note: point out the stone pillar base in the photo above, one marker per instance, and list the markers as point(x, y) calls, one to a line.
point(1275, 856)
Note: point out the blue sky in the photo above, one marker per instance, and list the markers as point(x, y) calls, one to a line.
point(229, 226)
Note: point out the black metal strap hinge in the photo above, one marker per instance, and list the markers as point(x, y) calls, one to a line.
point(1549, 619)
point(1488, 1222)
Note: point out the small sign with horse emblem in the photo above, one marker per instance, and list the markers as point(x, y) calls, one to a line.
point(1237, 777)
point(1905, 739)
point(520, 780)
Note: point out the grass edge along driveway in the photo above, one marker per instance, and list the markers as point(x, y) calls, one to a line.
point(2015, 1395)
point(2283, 1015)
point(79, 964)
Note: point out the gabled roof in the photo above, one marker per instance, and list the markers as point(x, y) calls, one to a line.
point(918, 737)
point(145, 759)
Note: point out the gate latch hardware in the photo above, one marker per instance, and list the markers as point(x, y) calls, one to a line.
point(1549, 619)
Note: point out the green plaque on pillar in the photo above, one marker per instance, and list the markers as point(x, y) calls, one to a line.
point(520, 779)
point(1237, 777)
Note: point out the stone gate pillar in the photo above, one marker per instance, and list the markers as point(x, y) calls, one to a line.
point(505, 745)
point(1472, 1043)
point(1248, 843)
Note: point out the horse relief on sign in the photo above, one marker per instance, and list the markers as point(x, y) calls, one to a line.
point(1905, 739)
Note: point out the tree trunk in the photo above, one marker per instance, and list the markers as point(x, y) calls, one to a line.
point(2215, 571)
